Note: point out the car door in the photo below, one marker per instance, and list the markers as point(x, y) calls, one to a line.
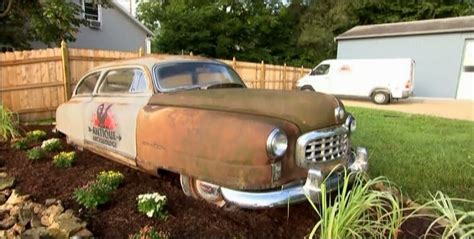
point(111, 115)
point(319, 78)
point(70, 114)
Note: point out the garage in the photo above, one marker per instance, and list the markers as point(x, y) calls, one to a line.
point(443, 50)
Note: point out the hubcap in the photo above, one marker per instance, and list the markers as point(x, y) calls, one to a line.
point(379, 97)
point(202, 190)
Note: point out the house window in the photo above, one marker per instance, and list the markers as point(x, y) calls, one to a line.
point(91, 13)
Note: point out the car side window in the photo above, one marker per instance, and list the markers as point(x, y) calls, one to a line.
point(122, 81)
point(321, 70)
point(86, 86)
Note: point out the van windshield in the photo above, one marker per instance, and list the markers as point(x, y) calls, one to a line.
point(321, 70)
point(196, 75)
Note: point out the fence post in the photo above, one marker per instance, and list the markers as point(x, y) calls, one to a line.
point(262, 75)
point(284, 76)
point(66, 71)
point(140, 52)
point(234, 63)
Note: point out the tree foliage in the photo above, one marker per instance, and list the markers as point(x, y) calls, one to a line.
point(296, 32)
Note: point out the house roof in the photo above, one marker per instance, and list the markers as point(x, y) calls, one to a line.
point(435, 26)
point(117, 6)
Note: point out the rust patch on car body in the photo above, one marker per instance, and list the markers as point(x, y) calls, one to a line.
point(219, 136)
point(224, 148)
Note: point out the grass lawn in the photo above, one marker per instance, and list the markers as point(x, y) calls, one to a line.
point(421, 154)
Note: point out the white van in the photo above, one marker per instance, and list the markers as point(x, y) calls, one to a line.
point(379, 79)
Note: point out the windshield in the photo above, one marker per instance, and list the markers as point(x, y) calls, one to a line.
point(195, 75)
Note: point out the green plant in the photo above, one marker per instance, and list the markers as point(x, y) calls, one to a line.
point(20, 144)
point(98, 192)
point(152, 204)
point(359, 211)
point(7, 125)
point(35, 154)
point(52, 145)
point(110, 178)
point(457, 223)
point(92, 194)
point(36, 135)
point(148, 232)
point(64, 159)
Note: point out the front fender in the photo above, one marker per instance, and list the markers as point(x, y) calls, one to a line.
point(224, 148)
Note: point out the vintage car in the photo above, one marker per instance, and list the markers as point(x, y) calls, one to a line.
point(194, 116)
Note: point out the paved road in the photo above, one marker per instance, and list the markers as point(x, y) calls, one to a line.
point(445, 108)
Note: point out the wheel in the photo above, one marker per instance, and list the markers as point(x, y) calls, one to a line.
point(201, 190)
point(380, 97)
point(307, 88)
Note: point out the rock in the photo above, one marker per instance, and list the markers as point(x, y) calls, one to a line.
point(6, 181)
point(84, 233)
point(3, 198)
point(49, 202)
point(7, 222)
point(36, 233)
point(3, 174)
point(7, 192)
point(51, 212)
point(45, 221)
point(65, 226)
point(35, 222)
point(15, 210)
point(18, 228)
point(24, 216)
point(38, 208)
point(15, 198)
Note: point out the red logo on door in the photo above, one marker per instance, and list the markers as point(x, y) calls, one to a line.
point(104, 128)
point(103, 118)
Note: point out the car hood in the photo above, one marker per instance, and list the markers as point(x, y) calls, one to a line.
point(308, 110)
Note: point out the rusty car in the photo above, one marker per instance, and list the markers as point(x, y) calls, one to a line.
point(252, 148)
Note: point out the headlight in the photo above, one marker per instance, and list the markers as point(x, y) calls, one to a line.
point(339, 112)
point(277, 143)
point(351, 123)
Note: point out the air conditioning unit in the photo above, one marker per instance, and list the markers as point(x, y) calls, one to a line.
point(94, 24)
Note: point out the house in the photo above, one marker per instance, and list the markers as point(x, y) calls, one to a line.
point(443, 50)
point(112, 28)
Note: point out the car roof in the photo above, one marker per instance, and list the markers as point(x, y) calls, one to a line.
point(151, 60)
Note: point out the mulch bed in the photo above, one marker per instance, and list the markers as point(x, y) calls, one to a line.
point(188, 218)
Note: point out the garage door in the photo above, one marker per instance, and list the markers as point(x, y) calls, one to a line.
point(466, 79)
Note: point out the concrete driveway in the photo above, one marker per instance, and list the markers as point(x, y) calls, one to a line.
point(445, 108)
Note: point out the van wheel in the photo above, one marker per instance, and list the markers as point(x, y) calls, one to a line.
point(307, 88)
point(201, 190)
point(380, 98)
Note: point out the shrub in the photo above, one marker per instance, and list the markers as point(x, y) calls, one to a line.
point(148, 232)
point(92, 194)
point(36, 154)
point(359, 212)
point(64, 159)
point(111, 178)
point(21, 144)
point(36, 135)
point(7, 125)
point(98, 192)
point(52, 145)
point(152, 204)
point(457, 223)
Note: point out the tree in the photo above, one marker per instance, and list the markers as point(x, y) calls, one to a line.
point(47, 21)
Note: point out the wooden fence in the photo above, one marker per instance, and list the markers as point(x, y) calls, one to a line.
point(33, 83)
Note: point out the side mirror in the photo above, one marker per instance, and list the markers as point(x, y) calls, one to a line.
point(313, 73)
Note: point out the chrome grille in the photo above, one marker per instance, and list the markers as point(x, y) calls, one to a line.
point(322, 146)
point(326, 148)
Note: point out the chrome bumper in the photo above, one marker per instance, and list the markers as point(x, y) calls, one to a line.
point(296, 193)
